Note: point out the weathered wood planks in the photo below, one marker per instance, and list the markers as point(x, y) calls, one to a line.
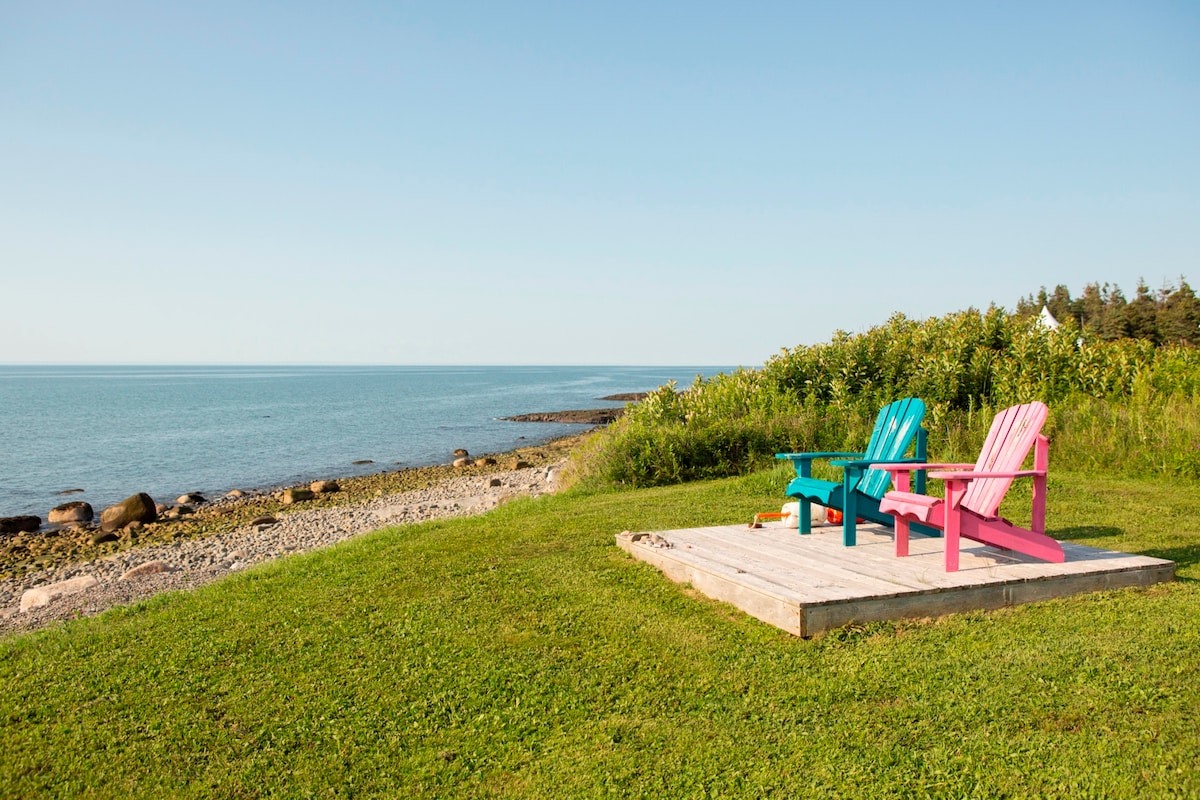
point(812, 583)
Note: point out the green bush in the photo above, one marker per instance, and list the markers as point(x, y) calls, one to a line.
point(1125, 405)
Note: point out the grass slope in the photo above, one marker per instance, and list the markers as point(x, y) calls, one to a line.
point(521, 654)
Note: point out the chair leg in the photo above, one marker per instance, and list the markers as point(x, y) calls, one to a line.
point(901, 537)
point(849, 520)
point(954, 490)
point(805, 516)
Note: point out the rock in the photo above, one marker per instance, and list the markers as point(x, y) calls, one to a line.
point(191, 498)
point(235, 493)
point(70, 491)
point(102, 536)
point(138, 507)
point(296, 495)
point(363, 461)
point(23, 524)
point(144, 570)
point(494, 482)
point(136, 525)
point(40, 596)
point(161, 508)
point(75, 511)
point(519, 464)
point(486, 461)
point(184, 510)
point(463, 462)
point(460, 453)
point(264, 521)
point(323, 487)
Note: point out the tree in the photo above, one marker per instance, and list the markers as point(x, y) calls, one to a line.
point(1142, 314)
point(1178, 320)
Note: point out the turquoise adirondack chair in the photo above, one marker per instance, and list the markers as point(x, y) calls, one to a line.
point(974, 491)
point(896, 428)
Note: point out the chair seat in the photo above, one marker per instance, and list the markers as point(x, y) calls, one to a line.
point(920, 507)
point(815, 490)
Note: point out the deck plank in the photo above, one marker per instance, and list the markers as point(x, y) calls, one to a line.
point(812, 583)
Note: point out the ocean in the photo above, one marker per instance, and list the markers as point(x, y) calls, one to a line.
point(114, 431)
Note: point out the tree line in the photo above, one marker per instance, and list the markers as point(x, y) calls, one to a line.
point(1169, 316)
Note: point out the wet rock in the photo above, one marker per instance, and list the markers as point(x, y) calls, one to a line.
point(460, 453)
point(139, 507)
point(191, 498)
point(70, 491)
point(22, 524)
point(363, 461)
point(75, 511)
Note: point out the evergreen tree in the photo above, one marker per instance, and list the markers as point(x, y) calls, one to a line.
point(1178, 320)
point(1142, 314)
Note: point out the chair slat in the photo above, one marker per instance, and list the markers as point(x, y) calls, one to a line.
point(1008, 444)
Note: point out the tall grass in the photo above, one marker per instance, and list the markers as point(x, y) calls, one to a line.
point(1124, 405)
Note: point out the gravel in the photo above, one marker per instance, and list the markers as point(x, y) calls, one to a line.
point(188, 564)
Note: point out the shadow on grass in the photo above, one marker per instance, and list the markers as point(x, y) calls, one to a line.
point(1185, 558)
point(1084, 533)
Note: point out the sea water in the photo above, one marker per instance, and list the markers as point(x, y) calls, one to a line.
point(114, 431)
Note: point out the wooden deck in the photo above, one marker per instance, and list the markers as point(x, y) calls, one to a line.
point(808, 584)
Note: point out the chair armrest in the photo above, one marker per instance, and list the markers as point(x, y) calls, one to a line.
point(867, 464)
point(915, 466)
point(811, 456)
point(970, 476)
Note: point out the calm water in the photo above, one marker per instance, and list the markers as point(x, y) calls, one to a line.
point(114, 431)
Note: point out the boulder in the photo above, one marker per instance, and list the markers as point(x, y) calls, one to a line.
point(144, 570)
point(486, 461)
point(139, 507)
point(100, 537)
point(323, 487)
point(460, 453)
point(235, 493)
point(296, 495)
point(191, 498)
point(40, 596)
point(75, 511)
point(463, 462)
point(22, 524)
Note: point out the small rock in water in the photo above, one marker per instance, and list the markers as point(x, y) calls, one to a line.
point(22, 524)
point(460, 453)
point(363, 461)
point(70, 491)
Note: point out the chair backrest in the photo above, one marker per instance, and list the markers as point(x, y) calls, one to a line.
point(1012, 436)
point(896, 426)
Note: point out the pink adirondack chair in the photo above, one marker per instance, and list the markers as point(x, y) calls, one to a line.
point(974, 492)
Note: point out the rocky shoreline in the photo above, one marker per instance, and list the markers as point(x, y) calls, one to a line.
point(74, 576)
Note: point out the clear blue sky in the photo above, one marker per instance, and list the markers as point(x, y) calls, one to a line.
point(568, 183)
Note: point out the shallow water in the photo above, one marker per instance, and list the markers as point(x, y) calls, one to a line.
point(114, 431)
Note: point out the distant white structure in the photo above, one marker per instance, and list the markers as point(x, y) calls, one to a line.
point(1047, 319)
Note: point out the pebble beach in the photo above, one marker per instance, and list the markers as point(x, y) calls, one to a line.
point(226, 542)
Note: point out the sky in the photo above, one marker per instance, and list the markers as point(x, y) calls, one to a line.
point(685, 183)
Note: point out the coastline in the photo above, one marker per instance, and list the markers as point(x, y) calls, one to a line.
point(220, 537)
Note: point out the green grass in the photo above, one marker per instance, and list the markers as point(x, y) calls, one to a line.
point(521, 654)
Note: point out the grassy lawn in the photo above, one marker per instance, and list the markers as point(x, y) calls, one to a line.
point(522, 654)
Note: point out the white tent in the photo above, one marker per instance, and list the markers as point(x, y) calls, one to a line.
point(1048, 319)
